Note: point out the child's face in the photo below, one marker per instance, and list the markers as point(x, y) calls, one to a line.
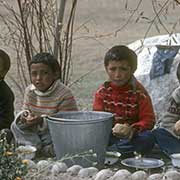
point(42, 76)
point(119, 72)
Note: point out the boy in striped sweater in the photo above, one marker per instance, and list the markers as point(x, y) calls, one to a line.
point(45, 96)
point(128, 100)
point(167, 134)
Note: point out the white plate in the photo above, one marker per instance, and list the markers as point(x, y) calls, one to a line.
point(142, 163)
point(175, 159)
point(111, 157)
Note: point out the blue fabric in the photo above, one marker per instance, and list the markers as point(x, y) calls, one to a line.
point(142, 143)
point(166, 141)
point(162, 60)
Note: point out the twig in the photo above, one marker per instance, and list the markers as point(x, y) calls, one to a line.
point(157, 15)
point(161, 9)
point(130, 17)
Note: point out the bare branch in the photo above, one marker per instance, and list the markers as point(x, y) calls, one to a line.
point(161, 9)
point(130, 17)
point(158, 17)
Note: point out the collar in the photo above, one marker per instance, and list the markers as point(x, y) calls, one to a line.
point(47, 92)
point(131, 84)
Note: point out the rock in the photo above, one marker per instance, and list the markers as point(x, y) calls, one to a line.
point(160, 96)
point(43, 164)
point(74, 170)
point(122, 174)
point(139, 175)
point(30, 164)
point(87, 172)
point(58, 167)
point(155, 177)
point(104, 174)
point(171, 175)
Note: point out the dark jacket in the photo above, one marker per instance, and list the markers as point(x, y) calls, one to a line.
point(6, 105)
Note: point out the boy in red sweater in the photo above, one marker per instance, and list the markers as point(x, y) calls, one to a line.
point(128, 100)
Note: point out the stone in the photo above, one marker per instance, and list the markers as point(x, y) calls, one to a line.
point(122, 174)
point(87, 172)
point(156, 176)
point(171, 175)
point(139, 175)
point(74, 170)
point(42, 164)
point(58, 167)
point(104, 174)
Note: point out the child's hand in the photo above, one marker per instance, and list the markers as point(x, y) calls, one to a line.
point(31, 119)
point(123, 131)
point(177, 128)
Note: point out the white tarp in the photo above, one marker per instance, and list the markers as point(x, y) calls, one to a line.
point(161, 87)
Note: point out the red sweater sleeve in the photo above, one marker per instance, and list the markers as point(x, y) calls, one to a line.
point(98, 101)
point(146, 113)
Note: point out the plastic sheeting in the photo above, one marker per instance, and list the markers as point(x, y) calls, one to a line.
point(162, 60)
point(161, 87)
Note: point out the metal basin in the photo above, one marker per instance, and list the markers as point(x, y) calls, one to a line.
point(74, 132)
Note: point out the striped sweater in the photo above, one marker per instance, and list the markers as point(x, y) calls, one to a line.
point(130, 104)
point(57, 98)
point(172, 115)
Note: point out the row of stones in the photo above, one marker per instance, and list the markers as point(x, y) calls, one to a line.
point(57, 168)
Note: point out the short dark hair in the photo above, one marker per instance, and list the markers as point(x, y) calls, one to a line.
point(178, 72)
point(5, 61)
point(48, 59)
point(120, 52)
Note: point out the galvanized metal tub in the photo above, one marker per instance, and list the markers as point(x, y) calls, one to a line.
point(74, 132)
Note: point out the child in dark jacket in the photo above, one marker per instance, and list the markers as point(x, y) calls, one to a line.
point(125, 97)
point(168, 133)
point(6, 96)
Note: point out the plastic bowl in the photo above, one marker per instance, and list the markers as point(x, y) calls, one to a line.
point(175, 159)
point(111, 157)
point(26, 152)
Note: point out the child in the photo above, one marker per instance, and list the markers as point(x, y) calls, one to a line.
point(45, 96)
point(6, 96)
point(168, 133)
point(128, 100)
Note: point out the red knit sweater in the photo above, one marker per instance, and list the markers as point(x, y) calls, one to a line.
point(130, 104)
